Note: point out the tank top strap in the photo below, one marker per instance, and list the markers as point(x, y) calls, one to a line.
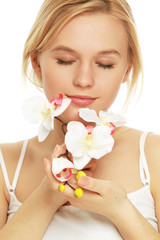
point(18, 168)
point(144, 171)
point(19, 165)
point(4, 170)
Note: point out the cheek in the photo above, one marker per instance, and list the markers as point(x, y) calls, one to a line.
point(53, 82)
point(109, 89)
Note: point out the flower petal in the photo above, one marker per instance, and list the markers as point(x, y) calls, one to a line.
point(75, 135)
point(101, 150)
point(59, 99)
point(42, 133)
point(118, 120)
point(89, 115)
point(81, 162)
point(62, 108)
point(102, 135)
point(32, 108)
point(103, 143)
point(48, 121)
point(73, 125)
point(58, 164)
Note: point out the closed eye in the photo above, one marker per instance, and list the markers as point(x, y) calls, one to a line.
point(105, 66)
point(62, 62)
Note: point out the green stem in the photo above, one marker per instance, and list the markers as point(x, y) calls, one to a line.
point(66, 153)
point(63, 125)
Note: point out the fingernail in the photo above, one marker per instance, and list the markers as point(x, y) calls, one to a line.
point(83, 181)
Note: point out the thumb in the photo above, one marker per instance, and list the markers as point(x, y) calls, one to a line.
point(92, 184)
point(48, 170)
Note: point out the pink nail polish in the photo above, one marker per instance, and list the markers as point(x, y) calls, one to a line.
point(83, 181)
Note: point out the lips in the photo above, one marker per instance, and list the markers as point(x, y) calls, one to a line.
point(81, 100)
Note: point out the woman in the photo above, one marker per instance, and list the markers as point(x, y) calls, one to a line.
point(84, 50)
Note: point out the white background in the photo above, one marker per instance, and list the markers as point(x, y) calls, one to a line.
point(16, 19)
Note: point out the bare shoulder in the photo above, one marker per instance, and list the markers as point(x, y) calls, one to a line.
point(152, 151)
point(131, 138)
point(128, 135)
point(153, 141)
point(10, 154)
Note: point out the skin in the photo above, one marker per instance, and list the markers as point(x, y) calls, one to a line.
point(109, 179)
point(89, 71)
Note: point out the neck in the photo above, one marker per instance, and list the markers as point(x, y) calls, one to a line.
point(55, 137)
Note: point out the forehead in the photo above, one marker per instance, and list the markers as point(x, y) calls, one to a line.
point(96, 31)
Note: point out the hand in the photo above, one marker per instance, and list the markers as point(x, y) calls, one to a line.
point(100, 196)
point(53, 182)
point(90, 167)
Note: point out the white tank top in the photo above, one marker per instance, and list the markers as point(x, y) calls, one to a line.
point(78, 224)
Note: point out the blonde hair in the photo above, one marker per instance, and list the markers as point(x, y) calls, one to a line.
point(54, 14)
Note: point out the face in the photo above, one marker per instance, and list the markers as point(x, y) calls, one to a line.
point(87, 62)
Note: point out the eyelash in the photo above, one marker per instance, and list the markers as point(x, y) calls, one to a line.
point(109, 66)
point(63, 62)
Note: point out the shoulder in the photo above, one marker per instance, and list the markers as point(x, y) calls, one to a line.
point(153, 142)
point(10, 151)
point(128, 136)
point(10, 154)
point(152, 151)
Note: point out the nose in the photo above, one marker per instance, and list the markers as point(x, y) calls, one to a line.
point(84, 77)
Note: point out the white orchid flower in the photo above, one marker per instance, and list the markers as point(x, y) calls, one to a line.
point(105, 118)
point(60, 104)
point(37, 109)
point(62, 168)
point(88, 142)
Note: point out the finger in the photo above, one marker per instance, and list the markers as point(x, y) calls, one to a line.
point(63, 147)
point(72, 180)
point(48, 171)
point(69, 192)
point(92, 184)
point(59, 149)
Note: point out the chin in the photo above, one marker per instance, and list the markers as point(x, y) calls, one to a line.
point(72, 114)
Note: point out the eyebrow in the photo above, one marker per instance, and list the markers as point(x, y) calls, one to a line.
point(70, 50)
